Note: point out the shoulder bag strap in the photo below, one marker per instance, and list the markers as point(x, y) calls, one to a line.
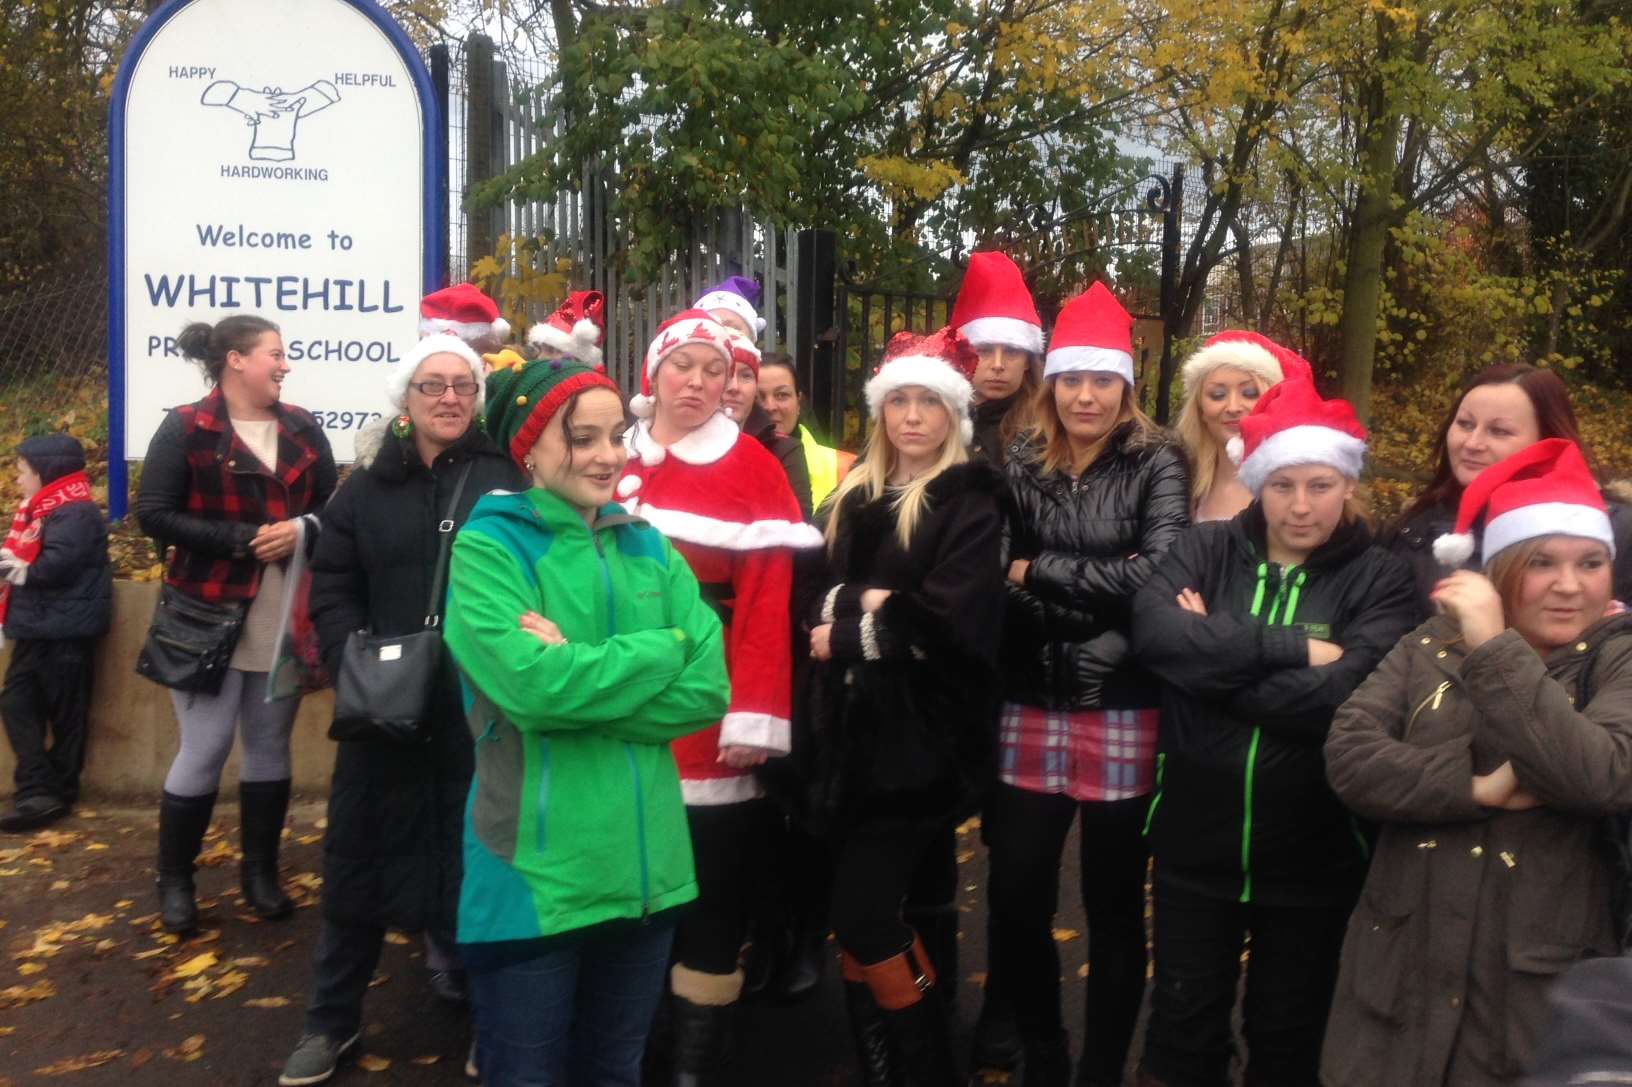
point(444, 531)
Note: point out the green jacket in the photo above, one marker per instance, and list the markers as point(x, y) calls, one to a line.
point(575, 816)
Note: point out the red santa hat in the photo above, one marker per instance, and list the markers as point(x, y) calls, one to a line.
point(943, 362)
point(464, 311)
point(575, 330)
point(1257, 354)
point(1093, 334)
point(442, 343)
point(1545, 489)
point(994, 306)
point(691, 326)
point(1292, 425)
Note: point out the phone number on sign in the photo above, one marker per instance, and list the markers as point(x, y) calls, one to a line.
point(344, 420)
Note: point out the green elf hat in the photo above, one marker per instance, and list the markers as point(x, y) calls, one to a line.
point(522, 400)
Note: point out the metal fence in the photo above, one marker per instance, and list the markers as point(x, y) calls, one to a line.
point(53, 347)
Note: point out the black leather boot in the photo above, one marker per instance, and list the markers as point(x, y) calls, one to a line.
point(262, 807)
point(806, 958)
point(702, 1035)
point(919, 1020)
point(183, 821)
point(875, 1048)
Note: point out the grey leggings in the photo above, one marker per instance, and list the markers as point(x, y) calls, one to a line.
point(208, 723)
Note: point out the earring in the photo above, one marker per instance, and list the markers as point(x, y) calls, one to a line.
point(402, 426)
point(527, 464)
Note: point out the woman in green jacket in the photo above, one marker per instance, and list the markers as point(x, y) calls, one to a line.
point(585, 648)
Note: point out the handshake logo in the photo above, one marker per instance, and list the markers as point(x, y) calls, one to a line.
point(272, 114)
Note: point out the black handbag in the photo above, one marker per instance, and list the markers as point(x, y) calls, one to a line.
point(190, 642)
point(385, 685)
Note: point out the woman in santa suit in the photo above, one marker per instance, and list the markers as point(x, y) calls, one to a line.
point(726, 505)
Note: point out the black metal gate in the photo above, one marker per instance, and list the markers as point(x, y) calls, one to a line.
point(1058, 253)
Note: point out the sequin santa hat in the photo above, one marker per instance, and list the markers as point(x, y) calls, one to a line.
point(994, 306)
point(739, 295)
point(1291, 425)
point(464, 311)
point(943, 362)
point(692, 326)
point(1545, 489)
point(1252, 352)
point(1093, 334)
point(575, 330)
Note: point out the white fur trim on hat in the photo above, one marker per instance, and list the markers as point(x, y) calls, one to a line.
point(578, 344)
point(497, 329)
point(1307, 444)
point(1545, 519)
point(1006, 331)
point(642, 406)
point(929, 371)
point(443, 343)
point(1453, 549)
point(1241, 354)
point(730, 535)
point(734, 302)
point(1072, 360)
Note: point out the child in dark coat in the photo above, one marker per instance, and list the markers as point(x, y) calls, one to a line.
point(56, 599)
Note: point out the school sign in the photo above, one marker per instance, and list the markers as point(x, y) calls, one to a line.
point(283, 159)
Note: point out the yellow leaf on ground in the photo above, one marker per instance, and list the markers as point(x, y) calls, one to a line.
point(105, 946)
point(368, 1062)
point(429, 1058)
point(59, 885)
point(195, 965)
point(28, 968)
point(123, 904)
point(250, 960)
point(267, 1002)
point(18, 995)
point(7, 1031)
point(95, 847)
point(1065, 935)
point(396, 938)
point(79, 1064)
point(189, 1050)
point(1082, 971)
point(229, 983)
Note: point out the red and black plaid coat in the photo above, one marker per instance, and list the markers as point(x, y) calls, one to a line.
point(205, 493)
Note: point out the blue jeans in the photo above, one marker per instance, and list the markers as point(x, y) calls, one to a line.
point(576, 1016)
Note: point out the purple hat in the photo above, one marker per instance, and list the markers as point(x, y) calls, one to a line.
point(740, 295)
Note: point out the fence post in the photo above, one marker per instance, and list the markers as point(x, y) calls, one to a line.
point(440, 83)
point(819, 367)
point(479, 106)
point(1171, 218)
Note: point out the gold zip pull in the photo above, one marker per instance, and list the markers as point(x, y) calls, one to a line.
point(1439, 692)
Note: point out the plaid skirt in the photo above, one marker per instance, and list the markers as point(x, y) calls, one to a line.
point(1083, 754)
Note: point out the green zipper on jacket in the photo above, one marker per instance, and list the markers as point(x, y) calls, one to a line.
point(1287, 593)
point(1150, 815)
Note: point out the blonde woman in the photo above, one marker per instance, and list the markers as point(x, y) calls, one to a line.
point(1097, 498)
point(902, 695)
point(1222, 382)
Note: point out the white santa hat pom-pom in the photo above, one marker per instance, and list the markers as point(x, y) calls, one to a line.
point(628, 485)
point(1454, 549)
point(501, 329)
point(1234, 448)
point(968, 429)
point(641, 406)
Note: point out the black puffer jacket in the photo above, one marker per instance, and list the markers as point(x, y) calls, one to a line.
point(392, 853)
point(988, 443)
point(897, 727)
point(1242, 810)
point(1092, 542)
point(69, 591)
point(1413, 540)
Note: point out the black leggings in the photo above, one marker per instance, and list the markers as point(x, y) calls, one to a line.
point(1026, 833)
point(877, 874)
point(731, 845)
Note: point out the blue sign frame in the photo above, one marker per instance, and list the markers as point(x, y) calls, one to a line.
point(433, 141)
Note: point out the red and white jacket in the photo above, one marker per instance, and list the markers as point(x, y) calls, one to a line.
point(726, 504)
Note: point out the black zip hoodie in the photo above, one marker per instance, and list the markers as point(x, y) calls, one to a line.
point(1242, 810)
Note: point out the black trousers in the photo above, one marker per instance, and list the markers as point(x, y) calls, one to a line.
point(878, 874)
point(47, 693)
point(1025, 833)
point(1291, 974)
point(342, 966)
point(731, 847)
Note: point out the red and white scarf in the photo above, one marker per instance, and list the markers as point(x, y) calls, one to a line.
point(24, 539)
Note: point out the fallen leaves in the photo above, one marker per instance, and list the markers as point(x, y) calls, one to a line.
point(195, 965)
point(27, 968)
point(79, 1064)
point(429, 1058)
point(268, 1002)
point(395, 937)
point(1065, 935)
point(369, 1062)
point(18, 995)
point(189, 1050)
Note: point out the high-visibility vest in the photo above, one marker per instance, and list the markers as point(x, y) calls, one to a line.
point(827, 466)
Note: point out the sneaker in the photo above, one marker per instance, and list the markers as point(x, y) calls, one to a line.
point(450, 986)
point(315, 1058)
point(32, 813)
point(472, 1073)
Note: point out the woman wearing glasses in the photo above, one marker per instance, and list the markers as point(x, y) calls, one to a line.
point(392, 852)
